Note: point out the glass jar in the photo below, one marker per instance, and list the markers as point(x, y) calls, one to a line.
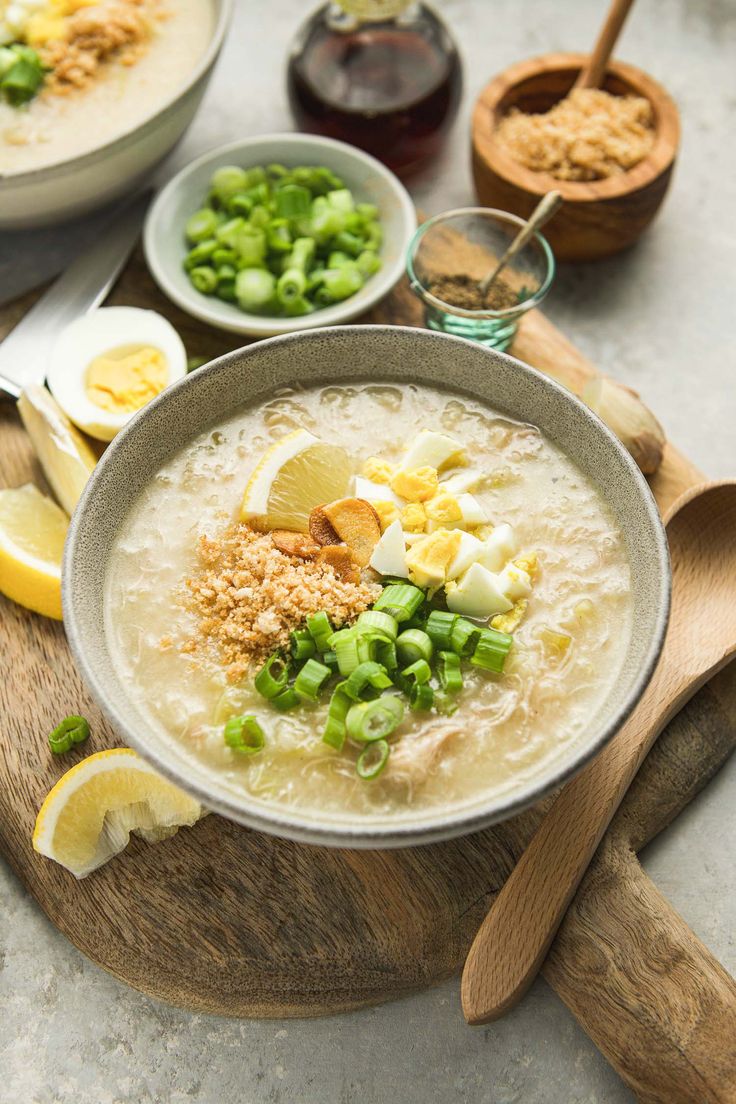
point(384, 75)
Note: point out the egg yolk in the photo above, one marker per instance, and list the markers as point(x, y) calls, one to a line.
point(123, 380)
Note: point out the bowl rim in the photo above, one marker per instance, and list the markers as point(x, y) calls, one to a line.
point(255, 325)
point(419, 289)
point(657, 162)
point(130, 134)
point(435, 825)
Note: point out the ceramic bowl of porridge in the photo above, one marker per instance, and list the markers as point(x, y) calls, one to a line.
point(393, 602)
point(92, 98)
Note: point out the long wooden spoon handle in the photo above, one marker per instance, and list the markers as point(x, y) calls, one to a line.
point(517, 932)
point(592, 72)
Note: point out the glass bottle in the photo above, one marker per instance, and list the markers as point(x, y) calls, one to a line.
point(384, 75)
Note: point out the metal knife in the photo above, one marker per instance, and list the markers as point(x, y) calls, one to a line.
point(25, 351)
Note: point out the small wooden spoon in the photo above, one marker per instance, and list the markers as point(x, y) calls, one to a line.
point(517, 932)
point(594, 69)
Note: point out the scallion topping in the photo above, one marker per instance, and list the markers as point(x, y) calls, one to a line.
point(417, 672)
point(374, 720)
point(401, 600)
point(335, 731)
point(285, 700)
point(71, 731)
point(421, 696)
point(302, 644)
point(311, 679)
point(450, 675)
point(272, 678)
point(464, 637)
point(372, 760)
point(375, 619)
point(491, 650)
point(244, 735)
point(445, 703)
point(320, 629)
point(413, 644)
point(439, 628)
point(365, 675)
point(345, 645)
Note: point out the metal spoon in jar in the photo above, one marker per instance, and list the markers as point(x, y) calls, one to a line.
point(542, 213)
point(517, 932)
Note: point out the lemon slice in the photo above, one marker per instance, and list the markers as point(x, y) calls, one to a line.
point(297, 473)
point(32, 532)
point(66, 458)
point(88, 816)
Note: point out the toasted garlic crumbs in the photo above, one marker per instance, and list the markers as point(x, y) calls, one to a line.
point(249, 596)
point(590, 135)
point(92, 36)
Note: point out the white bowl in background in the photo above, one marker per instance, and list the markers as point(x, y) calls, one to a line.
point(51, 194)
point(370, 181)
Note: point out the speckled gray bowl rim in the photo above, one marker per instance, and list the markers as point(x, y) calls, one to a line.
point(111, 492)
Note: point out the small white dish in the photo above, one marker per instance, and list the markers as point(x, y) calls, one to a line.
point(165, 246)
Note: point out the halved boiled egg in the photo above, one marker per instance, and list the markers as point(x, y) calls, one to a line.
point(108, 364)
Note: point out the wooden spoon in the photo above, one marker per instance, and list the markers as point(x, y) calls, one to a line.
point(516, 934)
point(592, 73)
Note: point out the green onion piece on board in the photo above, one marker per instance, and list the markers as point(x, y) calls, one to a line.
point(302, 645)
point(366, 675)
point(372, 760)
point(244, 735)
point(491, 650)
point(285, 700)
point(413, 644)
point(335, 731)
point(439, 628)
point(374, 619)
point(320, 630)
point(401, 600)
point(420, 671)
point(72, 730)
point(272, 677)
point(450, 674)
point(465, 636)
point(374, 720)
point(311, 679)
point(421, 696)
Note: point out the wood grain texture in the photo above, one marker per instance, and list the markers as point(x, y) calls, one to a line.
point(599, 217)
point(224, 920)
point(514, 938)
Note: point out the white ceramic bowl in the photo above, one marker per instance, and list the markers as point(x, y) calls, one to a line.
point(368, 179)
point(51, 194)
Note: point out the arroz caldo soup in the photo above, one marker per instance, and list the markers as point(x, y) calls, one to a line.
point(370, 600)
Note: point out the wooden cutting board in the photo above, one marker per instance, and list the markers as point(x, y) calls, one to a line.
point(224, 920)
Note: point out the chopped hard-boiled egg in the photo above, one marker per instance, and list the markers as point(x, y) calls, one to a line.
point(414, 517)
point(477, 594)
point(443, 509)
point(468, 552)
point(108, 364)
point(498, 548)
point(509, 622)
point(429, 559)
point(374, 491)
point(430, 449)
point(415, 484)
point(471, 510)
point(461, 482)
point(514, 582)
point(388, 513)
point(389, 555)
point(378, 470)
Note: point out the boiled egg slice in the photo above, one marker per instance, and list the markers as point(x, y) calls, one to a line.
point(375, 492)
point(468, 553)
point(477, 594)
point(434, 450)
point(498, 548)
point(108, 364)
point(514, 582)
point(471, 509)
point(461, 482)
point(389, 555)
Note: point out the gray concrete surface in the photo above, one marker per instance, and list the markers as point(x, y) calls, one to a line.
point(662, 319)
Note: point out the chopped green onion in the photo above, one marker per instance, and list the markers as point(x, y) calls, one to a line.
point(369, 644)
point(345, 645)
point(227, 181)
point(374, 720)
point(420, 671)
point(330, 660)
point(439, 628)
point(293, 201)
point(491, 651)
point(413, 644)
point(244, 735)
point(201, 225)
point(22, 81)
point(365, 675)
point(465, 636)
point(320, 630)
point(311, 679)
point(374, 619)
point(335, 731)
point(421, 696)
point(291, 285)
point(401, 600)
point(255, 289)
point(270, 682)
point(286, 699)
point(445, 703)
point(72, 730)
point(450, 675)
point(204, 279)
point(302, 644)
point(372, 760)
point(386, 654)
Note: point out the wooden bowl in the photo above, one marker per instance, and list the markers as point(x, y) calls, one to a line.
point(598, 217)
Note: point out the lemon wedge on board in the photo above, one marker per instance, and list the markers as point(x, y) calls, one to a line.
point(32, 532)
point(297, 473)
point(88, 816)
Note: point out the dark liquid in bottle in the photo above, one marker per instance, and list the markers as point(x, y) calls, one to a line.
point(392, 91)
